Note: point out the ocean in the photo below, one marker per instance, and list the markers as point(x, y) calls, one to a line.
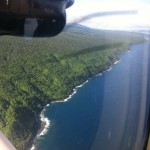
point(108, 112)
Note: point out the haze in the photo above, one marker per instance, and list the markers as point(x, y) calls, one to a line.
point(140, 20)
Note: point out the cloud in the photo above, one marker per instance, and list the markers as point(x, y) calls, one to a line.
point(82, 9)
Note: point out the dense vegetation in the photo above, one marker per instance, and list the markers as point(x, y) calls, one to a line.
point(33, 72)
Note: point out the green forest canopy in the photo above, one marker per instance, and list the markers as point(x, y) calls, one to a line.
point(36, 71)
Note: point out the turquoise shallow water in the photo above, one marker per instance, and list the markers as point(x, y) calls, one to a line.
point(107, 113)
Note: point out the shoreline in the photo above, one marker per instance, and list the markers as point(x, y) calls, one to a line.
point(44, 125)
point(45, 122)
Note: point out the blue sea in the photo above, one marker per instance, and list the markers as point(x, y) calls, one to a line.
point(109, 112)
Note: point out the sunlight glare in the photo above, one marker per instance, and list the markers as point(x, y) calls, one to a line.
point(141, 19)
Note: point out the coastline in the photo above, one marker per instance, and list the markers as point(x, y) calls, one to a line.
point(44, 125)
point(31, 75)
point(45, 122)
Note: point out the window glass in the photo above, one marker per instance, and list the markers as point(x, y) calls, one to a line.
point(74, 75)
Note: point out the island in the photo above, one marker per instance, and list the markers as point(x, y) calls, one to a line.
point(37, 71)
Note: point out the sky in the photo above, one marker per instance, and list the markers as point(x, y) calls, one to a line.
point(82, 8)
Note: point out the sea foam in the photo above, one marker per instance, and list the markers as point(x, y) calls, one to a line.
point(116, 62)
point(109, 68)
point(47, 124)
point(47, 121)
point(32, 148)
point(73, 93)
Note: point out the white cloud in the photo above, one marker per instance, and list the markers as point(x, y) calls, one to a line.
point(82, 8)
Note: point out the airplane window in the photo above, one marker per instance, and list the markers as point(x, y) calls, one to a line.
point(74, 75)
point(3, 4)
point(36, 5)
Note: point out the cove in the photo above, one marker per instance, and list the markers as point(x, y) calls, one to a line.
point(109, 112)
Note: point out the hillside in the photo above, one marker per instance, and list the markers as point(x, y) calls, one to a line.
point(35, 71)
